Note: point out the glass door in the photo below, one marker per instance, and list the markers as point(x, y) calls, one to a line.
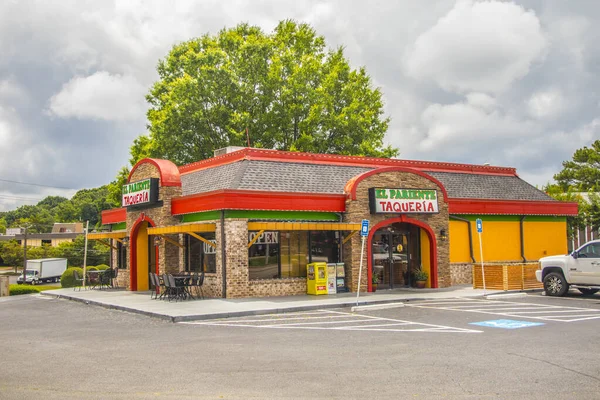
point(390, 251)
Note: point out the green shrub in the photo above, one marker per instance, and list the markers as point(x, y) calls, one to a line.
point(15, 290)
point(102, 267)
point(66, 280)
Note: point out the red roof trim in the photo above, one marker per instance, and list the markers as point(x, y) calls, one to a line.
point(114, 216)
point(352, 184)
point(511, 207)
point(258, 200)
point(169, 173)
point(336, 159)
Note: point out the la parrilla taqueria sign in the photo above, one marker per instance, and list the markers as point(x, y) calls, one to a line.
point(404, 201)
point(142, 192)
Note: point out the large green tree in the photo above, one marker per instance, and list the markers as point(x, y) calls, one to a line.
point(583, 171)
point(579, 181)
point(285, 90)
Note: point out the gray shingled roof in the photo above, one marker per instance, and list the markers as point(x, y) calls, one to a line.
point(271, 176)
point(322, 178)
point(496, 187)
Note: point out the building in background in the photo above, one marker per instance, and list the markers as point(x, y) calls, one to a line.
point(61, 232)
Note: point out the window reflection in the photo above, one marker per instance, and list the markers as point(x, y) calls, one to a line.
point(285, 254)
point(200, 256)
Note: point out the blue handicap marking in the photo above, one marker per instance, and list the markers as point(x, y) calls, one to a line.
point(507, 324)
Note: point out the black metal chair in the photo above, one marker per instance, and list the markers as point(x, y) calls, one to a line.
point(197, 282)
point(170, 287)
point(160, 283)
point(77, 279)
point(153, 286)
point(106, 278)
point(177, 291)
point(115, 273)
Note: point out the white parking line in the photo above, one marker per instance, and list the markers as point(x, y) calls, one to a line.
point(331, 320)
point(513, 309)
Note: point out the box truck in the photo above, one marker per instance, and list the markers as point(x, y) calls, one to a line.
point(43, 270)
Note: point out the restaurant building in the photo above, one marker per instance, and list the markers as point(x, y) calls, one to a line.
point(252, 219)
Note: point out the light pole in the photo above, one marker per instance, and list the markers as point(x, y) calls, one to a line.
point(25, 252)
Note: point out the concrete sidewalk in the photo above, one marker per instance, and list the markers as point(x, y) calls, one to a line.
point(189, 310)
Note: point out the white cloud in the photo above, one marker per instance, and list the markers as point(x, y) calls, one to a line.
point(478, 46)
point(472, 129)
point(100, 96)
point(11, 91)
point(546, 104)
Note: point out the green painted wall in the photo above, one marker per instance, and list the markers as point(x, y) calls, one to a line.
point(262, 215)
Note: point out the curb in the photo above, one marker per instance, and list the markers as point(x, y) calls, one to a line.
point(362, 305)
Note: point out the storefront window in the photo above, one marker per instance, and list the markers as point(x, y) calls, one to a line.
point(200, 256)
point(285, 254)
point(294, 254)
point(324, 246)
point(263, 256)
point(121, 256)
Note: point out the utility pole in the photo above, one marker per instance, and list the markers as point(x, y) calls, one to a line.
point(87, 226)
point(24, 254)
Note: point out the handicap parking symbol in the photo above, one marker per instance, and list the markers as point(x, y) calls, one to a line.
point(507, 324)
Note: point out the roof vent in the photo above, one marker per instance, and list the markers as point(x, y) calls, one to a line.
point(226, 150)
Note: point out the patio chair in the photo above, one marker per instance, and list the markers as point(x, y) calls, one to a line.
point(169, 290)
point(197, 282)
point(160, 284)
point(173, 289)
point(106, 278)
point(77, 279)
point(153, 286)
point(115, 283)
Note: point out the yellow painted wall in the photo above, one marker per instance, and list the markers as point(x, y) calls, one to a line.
point(501, 241)
point(142, 257)
point(544, 239)
point(458, 234)
point(425, 255)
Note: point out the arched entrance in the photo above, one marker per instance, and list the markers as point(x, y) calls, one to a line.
point(143, 254)
point(397, 248)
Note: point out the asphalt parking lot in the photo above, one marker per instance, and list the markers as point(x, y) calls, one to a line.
point(426, 349)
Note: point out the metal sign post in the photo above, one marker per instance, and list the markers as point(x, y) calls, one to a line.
point(87, 226)
point(479, 224)
point(364, 232)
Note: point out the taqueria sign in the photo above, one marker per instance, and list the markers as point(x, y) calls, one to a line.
point(403, 201)
point(140, 193)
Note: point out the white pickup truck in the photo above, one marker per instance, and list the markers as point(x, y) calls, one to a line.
point(580, 270)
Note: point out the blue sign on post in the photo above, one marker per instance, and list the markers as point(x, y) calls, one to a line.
point(364, 229)
point(479, 225)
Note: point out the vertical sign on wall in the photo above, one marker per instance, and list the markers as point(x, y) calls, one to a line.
point(364, 232)
point(479, 225)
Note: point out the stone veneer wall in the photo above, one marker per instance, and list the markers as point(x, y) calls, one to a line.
point(357, 210)
point(461, 273)
point(168, 253)
point(238, 282)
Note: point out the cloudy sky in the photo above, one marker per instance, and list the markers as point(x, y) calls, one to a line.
point(507, 83)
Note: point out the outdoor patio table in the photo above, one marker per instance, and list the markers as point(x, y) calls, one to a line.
point(95, 278)
point(184, 281)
